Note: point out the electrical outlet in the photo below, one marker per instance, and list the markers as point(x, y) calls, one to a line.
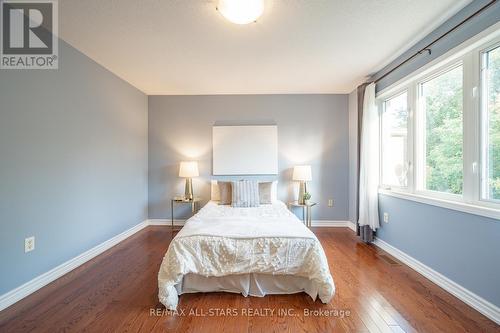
point(330, 202)
point(386, 217)
point(29, 244)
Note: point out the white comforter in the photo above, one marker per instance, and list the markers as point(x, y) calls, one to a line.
point(222, 240)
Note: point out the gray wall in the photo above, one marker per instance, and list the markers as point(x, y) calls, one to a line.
point(461, 246)
point(73, 168)
point(470, 29)
point(312, 129)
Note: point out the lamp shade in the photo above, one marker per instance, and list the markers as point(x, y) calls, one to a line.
point(189, 169)
point(302, 173)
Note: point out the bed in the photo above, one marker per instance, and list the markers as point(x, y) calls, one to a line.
point(253, 251)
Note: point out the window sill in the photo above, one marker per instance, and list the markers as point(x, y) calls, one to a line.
point(454, 205)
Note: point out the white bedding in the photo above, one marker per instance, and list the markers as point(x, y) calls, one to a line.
point(222, 240)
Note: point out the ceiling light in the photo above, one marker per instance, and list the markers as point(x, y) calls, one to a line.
point(241, 11)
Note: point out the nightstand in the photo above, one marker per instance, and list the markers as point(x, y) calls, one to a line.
point(183, 201)
point(306, 211)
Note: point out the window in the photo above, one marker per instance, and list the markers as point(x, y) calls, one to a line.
point(395, 141)
point(441, 111)
point(440, 131)
point(490, 93)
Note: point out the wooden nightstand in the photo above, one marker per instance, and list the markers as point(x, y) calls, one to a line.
point(306, 211)
point(183, 201)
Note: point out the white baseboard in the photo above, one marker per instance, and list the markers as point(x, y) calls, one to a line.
point(40, 281)
point(351, 225)
point(315, 223)
point(477, 302)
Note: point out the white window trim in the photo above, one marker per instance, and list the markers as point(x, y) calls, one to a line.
point(418, 125)
point(493, 213)
point(468, 54)
point(381, 107)
point(482, 137)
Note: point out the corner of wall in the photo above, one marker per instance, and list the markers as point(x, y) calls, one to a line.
point(353, 154)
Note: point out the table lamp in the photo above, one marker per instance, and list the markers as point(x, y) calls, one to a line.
point(189, 170)
point(302, 173)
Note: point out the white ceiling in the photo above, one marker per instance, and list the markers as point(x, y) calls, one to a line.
point(184, 47)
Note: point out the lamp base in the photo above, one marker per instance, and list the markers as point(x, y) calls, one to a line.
point(302, 191)
point(188, 192)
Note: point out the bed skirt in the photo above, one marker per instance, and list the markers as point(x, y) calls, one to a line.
point(253, 284)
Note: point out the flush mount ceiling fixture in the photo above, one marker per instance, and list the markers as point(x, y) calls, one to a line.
point(241, 11)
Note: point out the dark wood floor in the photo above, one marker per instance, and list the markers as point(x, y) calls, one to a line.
point(117, 292)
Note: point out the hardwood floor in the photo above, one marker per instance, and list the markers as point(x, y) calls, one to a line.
point(117, 292)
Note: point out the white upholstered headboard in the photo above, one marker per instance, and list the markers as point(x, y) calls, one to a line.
point(245, 150)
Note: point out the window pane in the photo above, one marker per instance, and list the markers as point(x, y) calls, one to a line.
point(491, 97)
point(442, 99)
point(395, 141)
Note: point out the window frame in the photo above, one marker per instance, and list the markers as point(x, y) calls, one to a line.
point(483, 120)
point(381, 106)
point(420, 143)
point(469, 55)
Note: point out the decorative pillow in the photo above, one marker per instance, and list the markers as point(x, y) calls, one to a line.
point(225, 193)
point(214, 191)
point(245, 193)
point(265, 196)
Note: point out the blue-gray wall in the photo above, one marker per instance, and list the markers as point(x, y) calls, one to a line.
point(312, 129)
point(73, 163)
point(461, 246)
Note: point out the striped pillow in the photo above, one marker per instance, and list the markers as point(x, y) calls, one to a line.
point(245, 193)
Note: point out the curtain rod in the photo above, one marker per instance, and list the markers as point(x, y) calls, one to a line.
point(428, 46)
